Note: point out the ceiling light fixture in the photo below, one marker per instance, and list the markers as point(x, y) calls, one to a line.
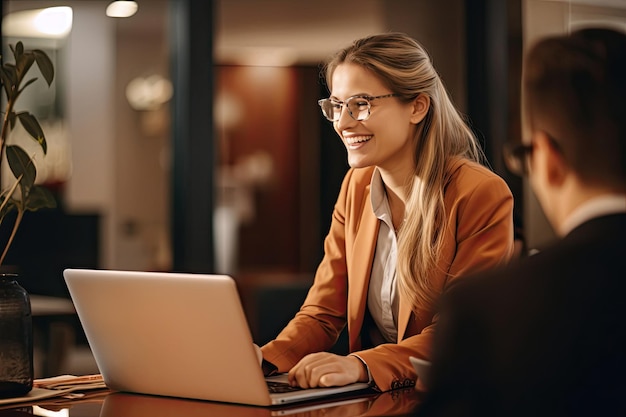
point(122, 8)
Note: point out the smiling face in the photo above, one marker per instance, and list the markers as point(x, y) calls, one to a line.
point(386, 138)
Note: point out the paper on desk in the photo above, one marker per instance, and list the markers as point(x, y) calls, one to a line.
point(65, 386)
point(71, 381)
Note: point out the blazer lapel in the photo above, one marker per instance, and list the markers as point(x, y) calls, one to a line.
point(359, 272)
point(404, 315)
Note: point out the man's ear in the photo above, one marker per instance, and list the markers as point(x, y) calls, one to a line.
point(555, 167)
point(421, 104)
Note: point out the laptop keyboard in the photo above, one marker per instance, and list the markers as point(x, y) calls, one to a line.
point(280, 387)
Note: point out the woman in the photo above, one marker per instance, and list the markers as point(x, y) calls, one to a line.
point(416, 210)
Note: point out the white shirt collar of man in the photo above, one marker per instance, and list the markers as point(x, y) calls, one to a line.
point(595, 207)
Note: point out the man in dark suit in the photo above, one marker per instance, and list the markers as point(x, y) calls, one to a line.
point(546, 335)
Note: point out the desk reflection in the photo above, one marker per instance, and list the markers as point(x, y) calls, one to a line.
point(121, 404)
point(135, 405)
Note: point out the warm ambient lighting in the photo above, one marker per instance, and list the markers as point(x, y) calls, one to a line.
point(51, 23)
point(259, 56)
point(56, 21)
point(44, 412)
point(122, 8)
point(148, 93)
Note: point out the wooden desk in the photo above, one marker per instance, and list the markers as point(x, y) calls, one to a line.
point(394, 403)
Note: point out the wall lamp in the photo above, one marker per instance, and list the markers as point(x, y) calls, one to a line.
point(49, 23)
point(122, 8)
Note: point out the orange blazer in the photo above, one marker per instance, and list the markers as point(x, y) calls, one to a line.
point(479, 235)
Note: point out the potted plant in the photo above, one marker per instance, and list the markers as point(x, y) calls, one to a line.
point(20, 195)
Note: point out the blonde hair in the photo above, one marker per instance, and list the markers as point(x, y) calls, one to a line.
point(404, 66)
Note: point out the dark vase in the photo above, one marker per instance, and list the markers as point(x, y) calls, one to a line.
point(16, 339)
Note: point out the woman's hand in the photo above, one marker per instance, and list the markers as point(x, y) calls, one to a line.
point(327, 370)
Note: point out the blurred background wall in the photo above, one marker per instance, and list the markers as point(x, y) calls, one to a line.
point(187, 137)
point(271, 165)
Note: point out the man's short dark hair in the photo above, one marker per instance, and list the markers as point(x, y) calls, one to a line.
point(575, 90)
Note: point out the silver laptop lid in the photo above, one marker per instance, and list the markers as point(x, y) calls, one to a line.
point(174, 334)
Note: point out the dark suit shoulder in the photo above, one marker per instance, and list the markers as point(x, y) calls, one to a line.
point(544, 335)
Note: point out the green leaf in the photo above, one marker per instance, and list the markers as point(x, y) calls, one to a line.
point(31, 197)
point(23, 64)
point(29, 82)
point(33, 128)
point(45, 65)
point(12, 119)
point(18, 50)
point(21, 164)
point(40, 197)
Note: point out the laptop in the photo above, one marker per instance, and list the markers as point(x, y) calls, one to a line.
point(178, 335)
point(422, 369)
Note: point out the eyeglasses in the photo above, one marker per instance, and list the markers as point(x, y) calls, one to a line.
point(516, 157)
point(358, 107)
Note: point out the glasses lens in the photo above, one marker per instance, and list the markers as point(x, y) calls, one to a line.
point(330, 108)
point(359, 108)
point(516, 158)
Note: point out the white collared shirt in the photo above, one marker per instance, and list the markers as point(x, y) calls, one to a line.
point(382, 296)
point(595, 207)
